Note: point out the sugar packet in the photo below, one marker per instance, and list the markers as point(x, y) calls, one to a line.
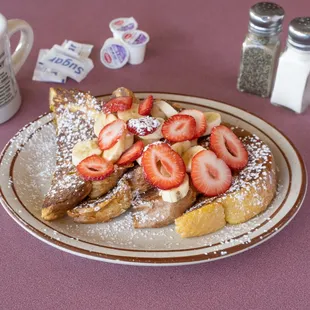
point(68, 63)
point(82, 49)
point(43, 74)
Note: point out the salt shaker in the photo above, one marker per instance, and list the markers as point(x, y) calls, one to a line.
point(261, 49)
point(292, 84)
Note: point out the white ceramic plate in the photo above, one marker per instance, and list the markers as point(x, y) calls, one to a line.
point(27, 164)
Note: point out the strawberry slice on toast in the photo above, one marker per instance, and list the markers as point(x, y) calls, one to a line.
point(118, 104)
point(146, 105)
point(227, 146)
point(158, 154)
point(210, 175)
point(178, 128)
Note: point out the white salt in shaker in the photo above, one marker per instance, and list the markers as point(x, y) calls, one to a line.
point(292, 84)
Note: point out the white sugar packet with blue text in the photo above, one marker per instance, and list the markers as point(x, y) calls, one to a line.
point(68, 63)
point(43, 74)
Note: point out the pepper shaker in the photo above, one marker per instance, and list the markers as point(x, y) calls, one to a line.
point(261, 49)
point(292, 84)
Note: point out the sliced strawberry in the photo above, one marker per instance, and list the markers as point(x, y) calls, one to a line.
point(145, 107)
point(158, 154)
point(110, 134)
point(179, 128)
point(201, 123)
point(131, 154)
point(95, 168)
point(210, 175)
point(226, 145)
point(118, 104)
point(142, 126)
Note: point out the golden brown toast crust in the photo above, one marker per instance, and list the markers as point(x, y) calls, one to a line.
point(74, 115)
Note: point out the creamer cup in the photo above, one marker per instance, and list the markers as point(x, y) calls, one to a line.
point(120, 25)
point(136, 42)
point(114, 54)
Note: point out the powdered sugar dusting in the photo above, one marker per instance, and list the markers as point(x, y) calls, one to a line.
point(143, 126)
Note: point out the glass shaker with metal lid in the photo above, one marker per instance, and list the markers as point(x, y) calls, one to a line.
point(292, 83)
point(261, 49)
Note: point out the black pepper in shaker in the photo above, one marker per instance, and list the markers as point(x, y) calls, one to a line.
point(261, 49)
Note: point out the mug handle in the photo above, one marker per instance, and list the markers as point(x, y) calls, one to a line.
point(25, 42)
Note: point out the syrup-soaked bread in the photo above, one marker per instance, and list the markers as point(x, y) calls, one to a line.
point(251, 192)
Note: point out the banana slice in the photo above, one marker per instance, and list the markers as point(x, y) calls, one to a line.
point(194, 142)
point(138, 160)
point(181, 147)
point(114, 153)
point(103, 120)
point(157, 112)
point(84, 149)
point(166, 108)
point(128, 114)
point(148, 141)
point(157, 134)
point(129, 139)
point(189, 154)
point(122, 91)
point(213, 120)
point(176, 194)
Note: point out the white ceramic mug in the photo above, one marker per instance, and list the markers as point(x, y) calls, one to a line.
point(10, 99)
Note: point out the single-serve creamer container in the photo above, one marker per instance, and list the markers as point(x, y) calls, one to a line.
point(114, 54)
point(136, 42)
point(10, 99)
point(122, 24)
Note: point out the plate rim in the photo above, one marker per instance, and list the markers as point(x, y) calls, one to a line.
point(167, 261)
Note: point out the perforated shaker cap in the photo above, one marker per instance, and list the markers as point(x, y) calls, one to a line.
point(299, 33)
point(266, 18)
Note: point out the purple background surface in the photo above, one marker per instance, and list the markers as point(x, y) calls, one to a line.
point(194, 49)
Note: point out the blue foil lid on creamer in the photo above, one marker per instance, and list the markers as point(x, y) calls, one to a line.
point(114, 54)
point(119, 25)
point(136, 37)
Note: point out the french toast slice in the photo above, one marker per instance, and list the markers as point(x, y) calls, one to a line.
point(204, 220)
point(251, 192)
point(74, 113)
point(105, 208)
point(150, 211)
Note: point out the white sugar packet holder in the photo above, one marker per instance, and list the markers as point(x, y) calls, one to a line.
point(43, 74)
point(68, 63)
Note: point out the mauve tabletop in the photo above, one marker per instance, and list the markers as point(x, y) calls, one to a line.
point(194, 49)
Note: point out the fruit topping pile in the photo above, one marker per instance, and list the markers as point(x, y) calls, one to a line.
point(164, 142)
